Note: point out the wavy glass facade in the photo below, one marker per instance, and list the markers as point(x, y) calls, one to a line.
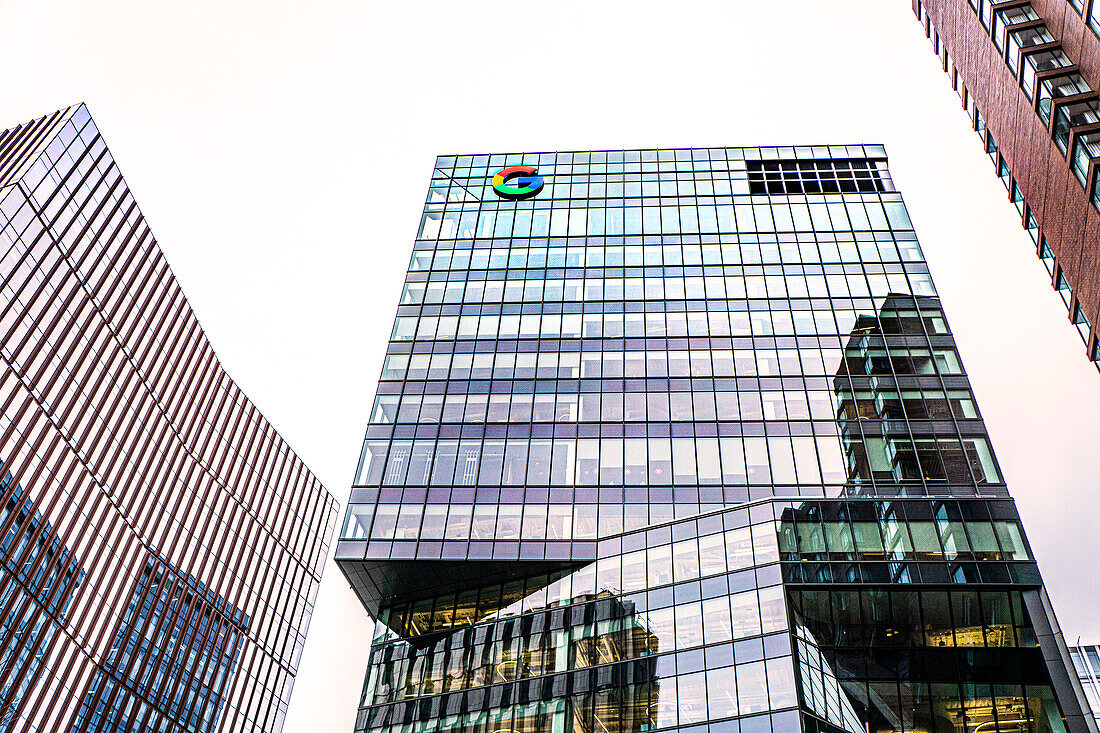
point(1027, 74)
point(160, 544)
point(681, 441)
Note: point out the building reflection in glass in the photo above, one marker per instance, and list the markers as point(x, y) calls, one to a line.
point(38, 577)
point(910, 614)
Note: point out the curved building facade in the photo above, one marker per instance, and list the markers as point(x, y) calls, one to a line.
point(160, 544)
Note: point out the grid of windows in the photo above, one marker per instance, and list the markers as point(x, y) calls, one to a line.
point(695, 604)
point(130, 442)
point(817, 176)
point(846, 637)
point(619, 423)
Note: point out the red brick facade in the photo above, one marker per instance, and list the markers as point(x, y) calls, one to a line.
point(1059, 203)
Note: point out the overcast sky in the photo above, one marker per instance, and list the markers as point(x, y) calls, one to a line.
point(281, 152)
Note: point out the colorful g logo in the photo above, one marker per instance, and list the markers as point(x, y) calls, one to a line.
point(528, 182)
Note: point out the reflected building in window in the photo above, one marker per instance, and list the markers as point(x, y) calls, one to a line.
point(38, 576)
point(160, 544)
point(1027, 74)
point(680, 439)
point(129, 685)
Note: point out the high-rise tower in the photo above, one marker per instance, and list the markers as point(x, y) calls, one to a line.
point(1027, 75)
point(679, 439)
point(160, 544)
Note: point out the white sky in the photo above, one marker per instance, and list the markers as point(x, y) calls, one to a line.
point(281, 152)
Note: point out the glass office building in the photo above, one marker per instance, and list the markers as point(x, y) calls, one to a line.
point(160, 544)
point(680, 439)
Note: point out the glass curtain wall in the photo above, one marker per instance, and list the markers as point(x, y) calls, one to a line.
point(682, 441)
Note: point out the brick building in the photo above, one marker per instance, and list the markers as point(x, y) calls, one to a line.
point(1026, 74)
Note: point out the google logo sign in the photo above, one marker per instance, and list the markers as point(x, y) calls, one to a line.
point(528, 182)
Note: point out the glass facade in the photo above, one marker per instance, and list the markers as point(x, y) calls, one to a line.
point(160, 544)
point(1086, 661)
point(38, 574)
point(682, 441)
point(132, 681)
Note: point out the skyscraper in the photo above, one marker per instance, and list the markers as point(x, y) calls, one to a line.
point(1026, 73)
point(160, 544)
point(679, 439)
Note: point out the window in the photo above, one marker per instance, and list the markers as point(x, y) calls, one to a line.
point(1021, 39)
point(1035, 63)
point(1004, 19)
point(1061, 284)
point(1074, 115)
point(985, 14)
point(1031, 224)
point(1094, 16)
point(1046, 255)
point(1082, 323)
point(1085, 149)
point(1078, 5)
point(1057, 87)
point(1017, 198)
point(814, 176)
